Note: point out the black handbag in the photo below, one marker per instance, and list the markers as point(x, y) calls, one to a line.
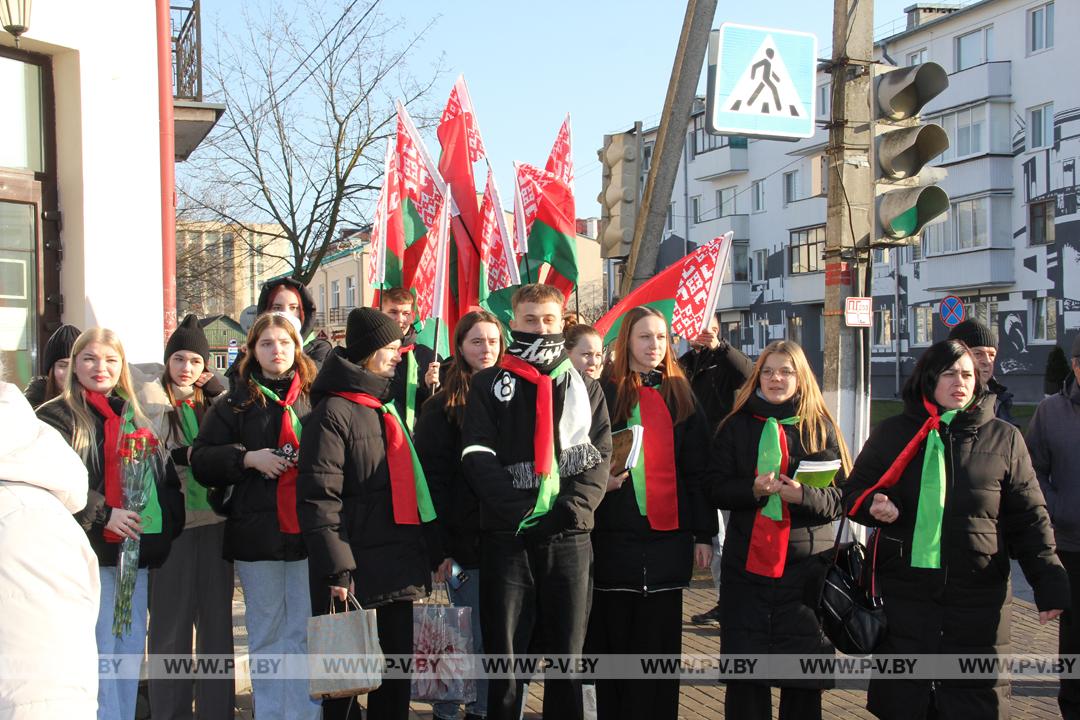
point(851, 612)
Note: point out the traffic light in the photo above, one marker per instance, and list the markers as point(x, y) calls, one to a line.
point(906, 198)
point(620, 195)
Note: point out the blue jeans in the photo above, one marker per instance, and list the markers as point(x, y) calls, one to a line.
point(117, 695)
point(277, 606)
point(468, 595)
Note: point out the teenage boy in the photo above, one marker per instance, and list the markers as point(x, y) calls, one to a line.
point(408, 389)
point(537, 443)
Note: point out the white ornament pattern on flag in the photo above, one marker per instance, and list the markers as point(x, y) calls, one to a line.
point(530, 185)
point(420, 180)
point(695, 287)
point(494, 242)
point(430, 279)
point(560, 162)
point(458, 104)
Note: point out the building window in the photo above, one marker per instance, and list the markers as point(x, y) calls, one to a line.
point(795, 329)
point(646, 158)
point(725, 201)
point(1041, 28)
point(1040, 126)
point(738, 269)
point(883, 328)
point(762, 332)
point(916, 57)
point(758, 264)
point(219, 362)
point(733, 333)
point(824, 100)
point(791, 186)
point(1041, 223)
point(695, 209)
point(757, 196)
point(806, 250)
point(671, 217)
point(350, 291)
point(967, 226)
point(1044, 319)
point(922, 325)
point(703, 141)
point(967, 131)
point(335, 294)
point(974, 48)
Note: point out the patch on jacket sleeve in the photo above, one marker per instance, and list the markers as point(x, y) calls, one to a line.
point(504, 387)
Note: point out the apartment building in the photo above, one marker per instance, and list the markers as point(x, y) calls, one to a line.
point(1009, 247)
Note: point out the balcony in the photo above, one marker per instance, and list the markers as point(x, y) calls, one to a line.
point(978, 174)
point(804, 288)
point(709, 229)
point(720, 162)
point(979, 268)
point(989, 80)
point(733, 296)
point(193, 119)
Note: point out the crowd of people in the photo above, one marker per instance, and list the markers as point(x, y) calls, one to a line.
point(372, 470)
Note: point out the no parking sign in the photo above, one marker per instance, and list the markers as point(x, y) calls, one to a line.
point(952, 311)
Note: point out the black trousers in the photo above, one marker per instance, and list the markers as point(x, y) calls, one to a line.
point(629, 623)
point(1069, 636)
point(395, 625)
point(750, 701)
point(533, 582)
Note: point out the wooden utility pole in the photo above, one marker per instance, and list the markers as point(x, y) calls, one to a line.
point(670, 137)
point(849, 220)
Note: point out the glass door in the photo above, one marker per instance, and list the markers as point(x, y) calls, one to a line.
point(18, 291)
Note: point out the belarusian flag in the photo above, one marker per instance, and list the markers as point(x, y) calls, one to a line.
point(432, 271)
point(422, 192)
point(387, 221)
point(550, 229)
point(560, 162)
point(462, 146)
point(685, 293)
point(498, 264)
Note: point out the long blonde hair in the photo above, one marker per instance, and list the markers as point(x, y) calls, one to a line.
point(816, 420)
point(82, 437)
point(675, 388)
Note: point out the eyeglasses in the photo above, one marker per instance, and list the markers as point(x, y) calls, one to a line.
point(782, 373)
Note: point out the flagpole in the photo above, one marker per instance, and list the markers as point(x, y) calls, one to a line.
point(435, 350)
point(528, 270)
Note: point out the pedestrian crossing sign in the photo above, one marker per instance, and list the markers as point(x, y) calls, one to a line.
point(761, 82)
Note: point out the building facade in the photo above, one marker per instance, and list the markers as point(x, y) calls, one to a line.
point(80, 176)
point(1009, 246)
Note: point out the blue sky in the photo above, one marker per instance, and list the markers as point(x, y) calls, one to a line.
point(607, 62)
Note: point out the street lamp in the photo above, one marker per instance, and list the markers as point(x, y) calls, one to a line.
point(15, 17)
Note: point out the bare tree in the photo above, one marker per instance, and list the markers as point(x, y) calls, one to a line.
point(310, 104)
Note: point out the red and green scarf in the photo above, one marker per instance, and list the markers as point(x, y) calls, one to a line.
point(194, 493)
point(544, 460)
point(288, 436)
point(116, 426)
point(409, 493)
point(930, 512)
point(654, 474)
point(412, 380)
point(772, 524)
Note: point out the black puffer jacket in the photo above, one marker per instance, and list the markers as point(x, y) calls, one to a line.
point(35, 391)
point(438, 442)
point(716, 374)
point(234, 425)
point(993, 509)
point(344, 498)
point(763, 614)
point(630, 555)
point(154, 548)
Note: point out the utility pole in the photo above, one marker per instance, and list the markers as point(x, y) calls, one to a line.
point(668, 150)
point(848, 224)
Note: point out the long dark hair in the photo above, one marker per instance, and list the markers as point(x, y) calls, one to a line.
point(198, 399)
point(674, 388)
point(459, 375)
point(937, 358)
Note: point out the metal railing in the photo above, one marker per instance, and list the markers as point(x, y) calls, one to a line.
point(186, 50)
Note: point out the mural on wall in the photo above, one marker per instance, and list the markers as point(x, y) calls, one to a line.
point(1013, 355)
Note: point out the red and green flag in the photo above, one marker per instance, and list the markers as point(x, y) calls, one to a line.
point(459, 136)
point(431, 281)
point(685, 293)
point(498, 262)
point(422, 191)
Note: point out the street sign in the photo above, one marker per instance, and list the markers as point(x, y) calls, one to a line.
point(247, 317)
point(951, 311)
point(234, 352)
point(233, 343)
point(859, 312)
point(761, 82)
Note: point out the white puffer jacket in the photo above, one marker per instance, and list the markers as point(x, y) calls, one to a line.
point(49, 586)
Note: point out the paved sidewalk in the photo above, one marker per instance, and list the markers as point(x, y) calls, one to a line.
point(1031, 700)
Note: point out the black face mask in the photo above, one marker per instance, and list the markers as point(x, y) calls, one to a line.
point(543, 352)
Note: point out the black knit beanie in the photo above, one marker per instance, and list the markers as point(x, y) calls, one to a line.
point(366, 331)
point(973, 334)
point(59, 346)
point(188, 336)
